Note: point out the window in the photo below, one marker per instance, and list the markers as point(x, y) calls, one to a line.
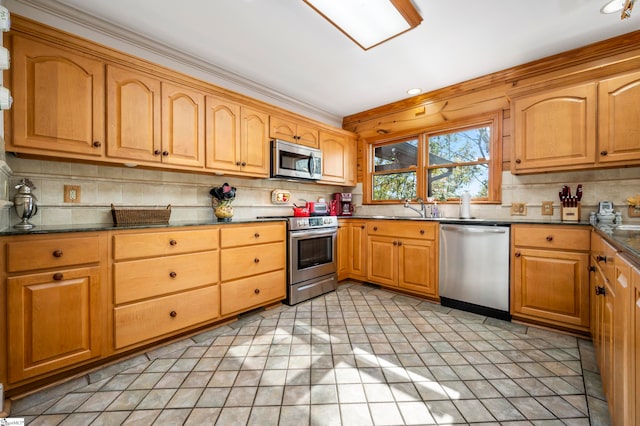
point(463, 156)
point(395, 166)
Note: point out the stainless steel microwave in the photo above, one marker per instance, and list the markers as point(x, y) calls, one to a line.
point(289, 160)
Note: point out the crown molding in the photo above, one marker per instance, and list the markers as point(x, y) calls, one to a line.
point(140, 41)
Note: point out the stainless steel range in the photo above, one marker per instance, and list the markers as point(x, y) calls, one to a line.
point(312, 264)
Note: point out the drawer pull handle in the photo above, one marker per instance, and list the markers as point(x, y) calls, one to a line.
point(549, 237)
point(592, 268)
point(173, 314)
point(518, 161)
point(256, 260)
point(375, 228)
point(173, 242)
point(257, 235)
point(517, 254)
point(256, 291)
point(58, 276)
point(600, 291)
point(97, 144)
point(57, 253)
point(422, 232)
point(173, 274)
point(601, 258)
point(604, 153)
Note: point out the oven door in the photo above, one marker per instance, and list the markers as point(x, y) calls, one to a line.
point(312, 254)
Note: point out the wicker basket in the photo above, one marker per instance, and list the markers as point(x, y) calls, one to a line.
point(139, 216)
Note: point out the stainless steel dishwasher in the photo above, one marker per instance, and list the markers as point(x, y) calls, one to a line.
point(474, 269)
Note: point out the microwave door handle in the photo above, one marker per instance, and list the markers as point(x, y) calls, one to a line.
point(312, 165)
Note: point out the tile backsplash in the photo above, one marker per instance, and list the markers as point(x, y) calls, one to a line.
point(189, 197)
point(101, 186)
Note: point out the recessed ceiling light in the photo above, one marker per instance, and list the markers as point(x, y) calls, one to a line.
point(414, 91)
point(612, 6)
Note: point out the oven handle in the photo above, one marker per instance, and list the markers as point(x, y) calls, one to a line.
point(302, 235)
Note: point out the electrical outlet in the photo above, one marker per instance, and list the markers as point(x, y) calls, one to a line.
point(518, 209)
point(547, 208)
point(72, 193)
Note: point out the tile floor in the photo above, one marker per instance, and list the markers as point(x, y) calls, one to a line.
point(357, 356)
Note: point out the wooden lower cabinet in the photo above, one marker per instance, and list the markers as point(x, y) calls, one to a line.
point(141, 321)
point(343, 254)
point(54, 321)
point(550, 281)
point(403, 255)
point(352, 249)
point(634, 344)
point(249, 292)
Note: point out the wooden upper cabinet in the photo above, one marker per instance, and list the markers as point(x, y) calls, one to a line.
point(335, 152)
point(182, 125)
point(236, 138)
point(222, 134)
point(555, 130)
point(59, 99)
point(133, 115)
point(254, 142)
point(618, 124)
point(291, 131)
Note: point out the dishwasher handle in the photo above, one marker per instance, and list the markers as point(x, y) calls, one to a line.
point(474, 230)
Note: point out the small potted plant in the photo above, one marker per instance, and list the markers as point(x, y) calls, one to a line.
point(221, 202)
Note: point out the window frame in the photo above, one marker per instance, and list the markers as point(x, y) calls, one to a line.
point(492, 120)
point(416, 169)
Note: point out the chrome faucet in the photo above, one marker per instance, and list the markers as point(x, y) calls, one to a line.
point(422, 212)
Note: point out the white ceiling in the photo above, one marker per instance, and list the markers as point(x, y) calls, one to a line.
point(285, 46)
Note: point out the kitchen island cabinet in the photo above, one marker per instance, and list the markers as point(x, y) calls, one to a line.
point(403, 255)
point(56, 296)
point(549, 281)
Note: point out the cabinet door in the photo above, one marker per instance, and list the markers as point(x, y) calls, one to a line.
point(54, 321)
point(597, 314)
point(358, 250)
point(344, 256)
point(635, 346)
point(608, 315)
point(254, 143)
point(308, 136)
point(621, 337)
point(416, 270)
point(382, 260)
point(555, 130)
point(552, 287)
point(59, 101)
point(351, 163)
point(223, 134)
point(133, 115)
point(182, 126)
point(618, 126)
point(334, 152)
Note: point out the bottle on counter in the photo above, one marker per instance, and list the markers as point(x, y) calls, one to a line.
point(618, 219)
point(593, 219)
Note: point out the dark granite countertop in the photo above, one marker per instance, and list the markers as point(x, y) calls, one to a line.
point(473, 221)
point(55, 229)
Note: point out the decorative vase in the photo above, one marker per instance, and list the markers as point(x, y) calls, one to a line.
point(223, 210)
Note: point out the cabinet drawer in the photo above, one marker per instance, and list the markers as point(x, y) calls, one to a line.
point(552, 237)
point(249, 235)
point(245, 293)
point(253, 260)
point(141, 279)
point(152, 318)
point(53, 253)
point(403, 229)
point(133, 246)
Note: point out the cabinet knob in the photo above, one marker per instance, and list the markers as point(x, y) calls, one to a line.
point(395, 243)
point(58, 276)
point(173, 242)
point(256, 260)
point(173, 314)
point(603, 153)
point(157, 152)
point(237, 163)
point(399, 243)
point(422, 232)
point(257, 235)
point(97, 144)
point(361, 226)
point(256, 291)
point(549, 238)
point(518, 161)
point(165, 153)
point(601, 258)
point(243, 164)
point(600, 291)
point(517, 254)
point(375, 228)
point(592, 268)
point(57, 253)
point(173, 274)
